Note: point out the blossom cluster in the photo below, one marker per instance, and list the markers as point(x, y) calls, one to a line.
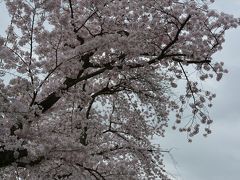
point(90, 81)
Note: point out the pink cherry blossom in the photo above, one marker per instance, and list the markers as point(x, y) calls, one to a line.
point(85, 84)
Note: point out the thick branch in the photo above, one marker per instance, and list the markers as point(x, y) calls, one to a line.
point(176, 36)
point(191, 62)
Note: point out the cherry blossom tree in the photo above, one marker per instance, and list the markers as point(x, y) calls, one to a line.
point(85, 84)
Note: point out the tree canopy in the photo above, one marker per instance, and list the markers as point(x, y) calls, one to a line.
point(85, 84)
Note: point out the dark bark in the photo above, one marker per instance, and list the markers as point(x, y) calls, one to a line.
point(7, 156)
point(49, 101)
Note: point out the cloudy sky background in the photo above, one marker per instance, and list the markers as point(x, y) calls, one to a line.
point(218, 156)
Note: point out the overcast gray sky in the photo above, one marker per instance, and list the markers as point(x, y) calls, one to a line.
point(218, 156)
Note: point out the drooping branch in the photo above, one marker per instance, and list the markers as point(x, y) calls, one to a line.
point(188, 83)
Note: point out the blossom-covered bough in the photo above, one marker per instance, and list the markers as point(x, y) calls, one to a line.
point(86, 83)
